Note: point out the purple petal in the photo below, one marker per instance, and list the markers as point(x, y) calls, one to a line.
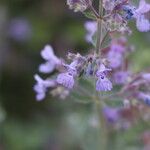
point(48, 67)
point(111, 114)
point(91, 27)
point(143, 7)
point(115, 59)
point(103, 85)
point(121, 77)
point(47, 52)
point(146, 76)
point(142, 24)
point(66, 80)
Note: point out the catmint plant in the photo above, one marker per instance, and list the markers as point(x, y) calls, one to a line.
point(104, 74)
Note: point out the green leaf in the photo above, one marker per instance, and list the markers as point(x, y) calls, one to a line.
point(84, 91)
point(89, 14)
point(94, 39)
point(106, 40)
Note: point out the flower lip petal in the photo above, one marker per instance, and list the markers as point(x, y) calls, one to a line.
point(143, 7)
point(47, 52)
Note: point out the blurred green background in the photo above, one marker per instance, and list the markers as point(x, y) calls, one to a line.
point(52, 124)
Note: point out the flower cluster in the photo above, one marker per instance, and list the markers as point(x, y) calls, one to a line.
point(89, 65)
point(120, 12)
point(108, 69)
point(103, 76)
point(107, 64)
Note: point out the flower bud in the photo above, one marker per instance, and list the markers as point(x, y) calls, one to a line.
point(78, 5)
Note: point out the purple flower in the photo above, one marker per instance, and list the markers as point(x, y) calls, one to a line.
point(41, 87)
point(51, 60)
point(115, 55)
point(146, 76)
point(67, 79)
point(91, 27)
point(142, 23)
point(79, 5)
point(129, 11)
point(115, 58)
point(144, 97)
point(117, 47)
point(103, 84)
point(121, 77)
point(111, 114)
point(20, 29)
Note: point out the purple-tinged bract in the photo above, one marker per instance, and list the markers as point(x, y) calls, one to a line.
point(78, 5)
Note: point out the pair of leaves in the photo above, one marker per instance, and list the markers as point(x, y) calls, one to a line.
point(106, 39)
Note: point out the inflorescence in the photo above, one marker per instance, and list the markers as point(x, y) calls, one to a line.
point(109, 66)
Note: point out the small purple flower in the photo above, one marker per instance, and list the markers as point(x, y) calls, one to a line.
point(129, 11)
point(144, 97)
point(103, 83)
point(117, 47)
point(91, 27)
point(111, 114)
point(121, 77)
point(78, 5)
point(115, 59)
point(20, 29)
point(67, 79)
point(115, 55)
point(41, 87)
point(146, 76)
point(142, 23)
point(51, 60)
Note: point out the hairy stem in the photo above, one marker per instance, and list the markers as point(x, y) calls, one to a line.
point(94, 12)
point(102, 123)
point(98, 101)
point(99, 28)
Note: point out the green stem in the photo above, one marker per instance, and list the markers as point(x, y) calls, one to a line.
point(102, 123)
point(98, 101)
point(99, 28)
